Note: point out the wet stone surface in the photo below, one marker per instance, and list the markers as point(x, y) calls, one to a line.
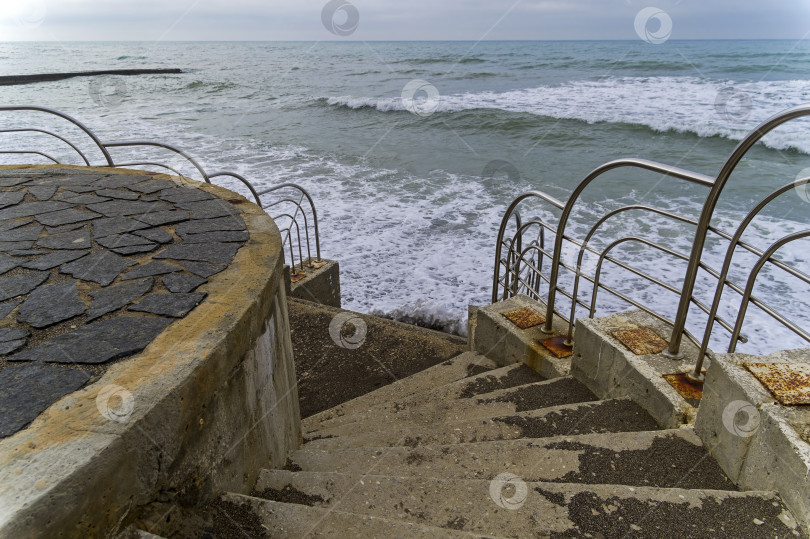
point(80, 279)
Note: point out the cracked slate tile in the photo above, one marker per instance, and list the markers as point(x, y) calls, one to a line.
point(8, 246)
point(53, 259)
point(182, 283)
point(6, 308)
point(202, 269)
point(98, 342)
point(25, 233)
point(159, 218)
point(86, 198)
point(155, 234)
point(214, 253)
point(219, 236)
point(174, 305)
point(198, 226)
point(122, 240)
point(10, 198)
point(152, 268)
point(112, 298)
point(11, 181)
point(42, 192)
point(27, 209)
point(209, 209)
point(50, 304)
point(185, 194)
point(65, 217)
point(11, 224)
point(134, 249)
point(152, 186)
point(63, 228)
point(8, 263)
point(75, 239)
point(123, 194)
point(18, 285)
point(28, 390)
point(115, 225)
point(101, 267)
point(115, 208)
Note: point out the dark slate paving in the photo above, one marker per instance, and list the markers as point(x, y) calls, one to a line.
point(15, 245)
point(6, 308)
point(12, 339)
point(182, 283)
point(155, 234)
point(53, 259)
point(27, 209)
point(214, 253)
point(28, 390)
point(112, 298)
point(42, 192)
point(222, 236)
point(209, 209)
point(12, 181)
point(63, 228)
point(29, 232)
point(76, 239)
point(101, 267)
point(152, 268)
point(198, 226)
point(164, 217)
point(27, 252)
point(134, 249)
point(122, 240)
point(98, 342)
point(202, 269)
point(115, 181)
point(115, 225)
point(80, 189)
point(10, 198)
point(175, 305)
point(64, 217)
point(187, 194)
point(11, 287)
point(115, 208)
point(86, 198)
point(152, 186)
point(123, 194)
point(50, 304)
point(8, 263)
point(14, 223)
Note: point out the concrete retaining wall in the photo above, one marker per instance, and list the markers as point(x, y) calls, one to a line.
point(213, 399)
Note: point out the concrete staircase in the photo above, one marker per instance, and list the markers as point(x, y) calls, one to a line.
point(464, 449)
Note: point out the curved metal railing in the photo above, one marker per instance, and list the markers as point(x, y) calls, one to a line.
point(514, 273)
point(288, 202)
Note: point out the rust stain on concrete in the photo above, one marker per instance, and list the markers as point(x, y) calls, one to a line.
point(691, 390)
point(788, 382)
point(641, 341)
point(525, 318)
point(557, 346)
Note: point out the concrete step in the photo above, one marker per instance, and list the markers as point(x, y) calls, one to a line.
point(564, 390)
point(615, 415)
point(461, 366)
point(510, 506)
point(667, 458)
point(486, 382)
point(295, 520)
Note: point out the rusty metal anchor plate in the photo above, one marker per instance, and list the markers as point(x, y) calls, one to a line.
point(295, 277)
point(641, 341)
point(315, 264)
point(691, 390)
point(789, 382)
point(557, 346)
point(525, 318)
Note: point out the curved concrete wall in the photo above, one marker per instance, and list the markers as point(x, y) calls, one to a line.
point(213, 400)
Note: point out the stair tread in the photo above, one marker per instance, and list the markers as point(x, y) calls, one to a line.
point(663, 458)
point(533, 396)
point(296, 520)
point(458, 367)
point(508, 505)
point(466, 387)
point(613, 415)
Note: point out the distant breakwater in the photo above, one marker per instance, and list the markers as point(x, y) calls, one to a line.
point(9, 80)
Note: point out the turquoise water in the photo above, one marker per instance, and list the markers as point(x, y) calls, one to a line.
point(403, 196)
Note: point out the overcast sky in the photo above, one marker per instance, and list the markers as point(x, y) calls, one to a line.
point(147, 20)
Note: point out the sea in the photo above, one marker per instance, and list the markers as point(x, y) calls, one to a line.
point(412, 152)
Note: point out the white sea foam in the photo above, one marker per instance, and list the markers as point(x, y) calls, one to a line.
point(682, 104)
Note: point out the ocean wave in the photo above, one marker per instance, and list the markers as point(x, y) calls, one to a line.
point(663, 104)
